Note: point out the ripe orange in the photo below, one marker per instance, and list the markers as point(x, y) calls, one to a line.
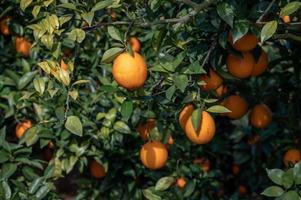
point(97, 170)
point(185, 114)
point(237, 105)
point(153, 155)
point(4, 29)
point(181, 182)
point(22, 127)
point(221, 90)
point(64, 66)
point(235, 169)
point(286, 19)
point(170, 140)
point(145, 128)
point(213, 80)
point(261, 64)
point(135, 44)
point(261, 116)
point(129, 71)
point(292, 156)
point(204, 163)
point(246, 43)
point(206, 131)
point(23, 46)
point(240, 67)
point(242, 190)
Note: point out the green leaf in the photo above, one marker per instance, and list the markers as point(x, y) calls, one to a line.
point(39, 85)
point(70, 6)
point(178, 60)
point(275, 175)
point(88, 17)
point(290, 195)
point(196, 119)
point(273, 191)
point(24, 4)
point(77, 35)
point(102, 4)
point(35, 11)
point(74, 125)
point(25, 79)
point(297, 173)
point(268, 30)
point(7, 170)
point(170, 92)
point(126, 109)
point(181, 82)
point(189, 189)
point(111, 54)
point(210, 100)
point(241, 27)
point(42, 192)
point(121, 127)
point(164, 183)
point(149, 194)
point(218, 109)
point(226, 12)
point(31, 136)
point(7, 190)
point(35, 185)
point(78, 82)
point(114, 33)
point(47, 40)
point(290, 8)
point(288, 178)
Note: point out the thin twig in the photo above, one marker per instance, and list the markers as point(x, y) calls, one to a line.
point(281, 23)
point(266, 11)
point(209, 52)
point(288, 36)
point(183, 19)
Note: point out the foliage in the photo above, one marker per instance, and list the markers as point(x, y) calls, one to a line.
point(87, 116)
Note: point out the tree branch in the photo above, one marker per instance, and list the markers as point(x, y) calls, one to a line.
point(189, 3)
point(197, 8)
point(266, 11)
point(288, 36)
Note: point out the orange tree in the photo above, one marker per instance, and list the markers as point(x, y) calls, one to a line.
point(150, 99)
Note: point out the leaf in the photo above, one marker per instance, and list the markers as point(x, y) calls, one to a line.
point(7, 190)
point(88, 17)
point(181, 82)
point(178, 60)
point(297, 173)
point(64, 77)
point(170, 92)
point(226, 12)
point(74, 125)
point(196, 119)
point(290, 195)
point(121, 127)
point(7, 170)
point(288, 178)
point(24, 4)
point(275, 175)
point(31, 136)
point(218, 109)
point(101, 5)
point(114, 33)
point(210, 100)
point(35, 185)
point(39, 85)
point(241, 27)
point(190, 187)
point(70, 6)
point(273, 191)
point(164, 183)
point(110, 54)
point(148, 194)
point(268, 30)
point(25, 79)
point(42, 192)
point(73, 94)
point(35, 11)
point(77, 35)
point(47, 41)
point(126, 109)
point(290, 8)
point(80, 82)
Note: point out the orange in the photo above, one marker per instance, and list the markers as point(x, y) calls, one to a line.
point(181, 182)
point(97, 170)
point(22, 127)
point(51, 145)
point(213, 80)
point(130, 71)
point(135, 44)
point(245, 43)
point(240, 67)
point(185, 114)
point(235, 169)
point(170, 140)
point(206, 131)
point(145, 128)
point(153, 155)
point(64, 66)
point(286, 19)
point(4, 29)
point(221, 90)
point(261, 64)
point(204, 163)
point(242, 190)
point(292, 156)
point(237, 105)
point(261, 116)
point(23, 46)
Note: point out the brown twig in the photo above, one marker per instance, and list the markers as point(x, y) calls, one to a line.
point(265, 12)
